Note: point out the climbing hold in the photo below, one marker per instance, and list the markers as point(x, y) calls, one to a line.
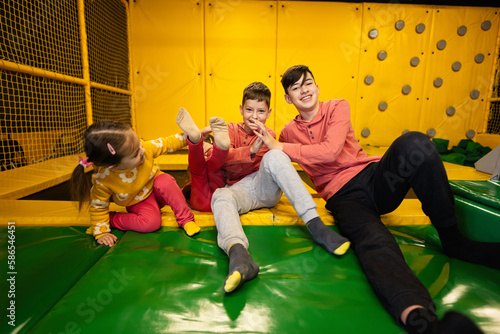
point(438, 82)
point(373, 33)
point(486, 25)
point(365, 132)
point(474, 94)
point(431, 132)
point(450, 111)
point(406, 89)
point(420, 28)
point(479, 58)
point(414, 61)
point(368, 80)
point(441, 44)
point(456, 66)
point(382, 55)
point(382, 106)
point(400, 25)
point(470, 134)
point(462, 30)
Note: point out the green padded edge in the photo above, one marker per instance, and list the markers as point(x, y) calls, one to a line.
point(477, 221)
point(485, 192)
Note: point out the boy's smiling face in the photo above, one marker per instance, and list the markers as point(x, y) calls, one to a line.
point(253, 110)
point(303, 94)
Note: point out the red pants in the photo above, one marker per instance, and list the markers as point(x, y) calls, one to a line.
point(146, 216)
point(206, 174)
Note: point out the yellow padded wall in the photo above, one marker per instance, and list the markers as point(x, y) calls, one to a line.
point(325, 37)
point(240, 49)
point(168, 58)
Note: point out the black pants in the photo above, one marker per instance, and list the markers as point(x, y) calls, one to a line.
point(411, 161)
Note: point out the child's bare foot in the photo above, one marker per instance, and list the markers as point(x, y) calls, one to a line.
point(186, 123)
point(220, 132)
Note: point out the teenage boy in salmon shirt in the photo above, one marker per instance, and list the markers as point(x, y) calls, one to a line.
point(256, 178)
point(358, 189)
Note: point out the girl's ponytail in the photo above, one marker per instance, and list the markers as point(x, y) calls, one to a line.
point(80, 186)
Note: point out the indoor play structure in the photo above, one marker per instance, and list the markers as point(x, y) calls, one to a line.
point(65, 64)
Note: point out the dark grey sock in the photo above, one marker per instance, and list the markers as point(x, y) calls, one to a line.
point(327, 238)
point(241, 268)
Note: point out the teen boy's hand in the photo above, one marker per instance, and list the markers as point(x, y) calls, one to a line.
point(269, 140)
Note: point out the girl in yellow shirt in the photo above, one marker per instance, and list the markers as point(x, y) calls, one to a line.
point(124, 169)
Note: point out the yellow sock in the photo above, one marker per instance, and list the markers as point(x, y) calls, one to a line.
point(232, 281)
point(342, 249)
point(191, 228)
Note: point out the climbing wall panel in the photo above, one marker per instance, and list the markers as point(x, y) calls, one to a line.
point(392, 71)
point(459, 67)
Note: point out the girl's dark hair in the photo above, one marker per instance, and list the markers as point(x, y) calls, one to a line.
point(293, 74)
point(97, 137)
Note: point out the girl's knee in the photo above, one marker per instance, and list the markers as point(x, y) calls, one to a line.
point(150, 225)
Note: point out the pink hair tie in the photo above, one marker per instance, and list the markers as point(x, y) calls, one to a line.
point(111, 149)
point(84, 162)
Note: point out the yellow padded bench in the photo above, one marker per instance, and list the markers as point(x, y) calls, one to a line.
point(65, 213)
point(24, 181)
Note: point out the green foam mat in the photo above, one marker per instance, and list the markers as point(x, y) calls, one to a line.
point(166, 282)
point(47, 263)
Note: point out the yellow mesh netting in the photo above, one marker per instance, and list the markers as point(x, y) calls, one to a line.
point(63, 66)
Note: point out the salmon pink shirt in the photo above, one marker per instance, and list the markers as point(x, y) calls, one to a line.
point(240, 162)
point(326, 147)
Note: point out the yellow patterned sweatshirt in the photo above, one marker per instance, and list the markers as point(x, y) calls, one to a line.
point(127, 187)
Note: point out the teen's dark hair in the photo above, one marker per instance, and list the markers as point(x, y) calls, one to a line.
point(257, 91)
point(293, 74)
point(97, 137)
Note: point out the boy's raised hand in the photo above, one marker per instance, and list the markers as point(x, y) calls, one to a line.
point(206, 130)
point(256, 146)
point(269, 140)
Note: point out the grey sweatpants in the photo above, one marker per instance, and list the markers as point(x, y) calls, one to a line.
point(261, 189)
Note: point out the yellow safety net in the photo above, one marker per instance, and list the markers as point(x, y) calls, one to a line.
point(63, 66)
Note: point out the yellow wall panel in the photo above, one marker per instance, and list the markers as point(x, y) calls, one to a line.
point(167, 53)
point(325, 37)
point(458, 85)
point(240, 49)
point(381, 33)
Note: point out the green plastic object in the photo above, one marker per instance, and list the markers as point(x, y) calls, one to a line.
point(477, 221)
point(484, 192)
point(166, 282)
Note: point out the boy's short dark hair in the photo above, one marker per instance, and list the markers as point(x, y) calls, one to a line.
point(293, 74)
point(257, 91)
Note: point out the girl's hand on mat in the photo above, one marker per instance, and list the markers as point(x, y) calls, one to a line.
point(108, 240)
